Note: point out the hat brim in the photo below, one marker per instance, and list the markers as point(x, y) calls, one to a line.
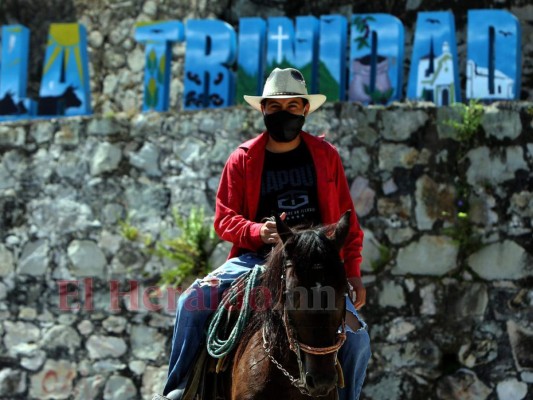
point(315, 100)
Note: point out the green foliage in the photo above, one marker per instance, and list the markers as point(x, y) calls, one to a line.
point(361, 42)
point(377, 96)
point(384, 257)
point(189, 252)
point(128, 231)
point(470, 122)
point(464, 234)
point(246, 84)
point(361, 24)
point(463, 230)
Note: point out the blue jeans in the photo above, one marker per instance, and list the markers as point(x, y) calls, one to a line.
point(354, 356)
point(199, 301)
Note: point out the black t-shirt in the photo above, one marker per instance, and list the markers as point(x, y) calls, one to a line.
point(288, 184)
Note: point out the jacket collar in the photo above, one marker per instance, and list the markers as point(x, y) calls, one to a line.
point(258, 144)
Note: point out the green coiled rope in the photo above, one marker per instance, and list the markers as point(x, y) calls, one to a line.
point(218, 347)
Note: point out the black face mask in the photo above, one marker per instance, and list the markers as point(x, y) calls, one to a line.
point(284, 126)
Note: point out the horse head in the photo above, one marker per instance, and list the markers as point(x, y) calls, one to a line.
point(312, 305)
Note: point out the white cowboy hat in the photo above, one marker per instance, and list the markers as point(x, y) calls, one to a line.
point(284, 84)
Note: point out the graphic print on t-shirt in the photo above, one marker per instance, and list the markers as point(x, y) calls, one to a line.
point(288, 184)
point(293, 200)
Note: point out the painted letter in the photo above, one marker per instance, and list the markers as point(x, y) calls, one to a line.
point(287, 49)
point(332, 63)
point(211, 51)
point(65, 86)
point(251, 60)
point(158, 37)
point(14, 73)
point(493, 69)
point(376, 58)
point(434, 74)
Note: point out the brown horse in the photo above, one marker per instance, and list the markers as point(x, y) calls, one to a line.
point(289, 350)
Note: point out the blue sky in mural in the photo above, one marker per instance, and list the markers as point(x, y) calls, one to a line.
point(428, 29)
point(251, 30)
point(282, 40)
point(506, 40)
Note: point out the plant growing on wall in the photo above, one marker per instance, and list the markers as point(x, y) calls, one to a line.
point(377, 96)
point(189, 252)
point(463, 230)
point(470, 120)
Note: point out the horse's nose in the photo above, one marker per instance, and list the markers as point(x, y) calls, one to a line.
point(320, 385)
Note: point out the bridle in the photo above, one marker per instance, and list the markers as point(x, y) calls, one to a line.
point(296, 346)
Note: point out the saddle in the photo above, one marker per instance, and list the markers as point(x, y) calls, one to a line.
point(224, 330)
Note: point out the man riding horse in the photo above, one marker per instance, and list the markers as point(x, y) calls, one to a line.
point(286, 172)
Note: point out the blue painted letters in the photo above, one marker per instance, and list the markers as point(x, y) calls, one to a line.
point(376, 59)
point(158, 38)
point(372, 74)
point(211, 50)
point(493, 66)
point(434, 74)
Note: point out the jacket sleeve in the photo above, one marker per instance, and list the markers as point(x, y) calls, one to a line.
point(231, 219)
point(354, 242)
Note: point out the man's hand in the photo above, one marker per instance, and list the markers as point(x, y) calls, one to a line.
point(269, 232)
point(357, 292)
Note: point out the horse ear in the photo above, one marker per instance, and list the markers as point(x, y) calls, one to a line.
point(341, 230)
point(283, 229)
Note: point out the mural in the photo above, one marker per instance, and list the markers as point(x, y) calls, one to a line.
point(317, 47)
point(65, 86)
point(332, 57)
point(434, 74)
point(251, 59)
point(158, 38)
point(376, 59)
point(14, 73)
point(211, 50)
point(494, 59)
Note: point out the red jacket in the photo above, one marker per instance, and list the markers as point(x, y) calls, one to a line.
point(240, 185)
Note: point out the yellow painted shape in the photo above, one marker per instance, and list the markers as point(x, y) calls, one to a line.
point(147, 23)
point(65, 34)
point(52, 58)
point(77, 56)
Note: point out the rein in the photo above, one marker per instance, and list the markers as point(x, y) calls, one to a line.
point(296, 346)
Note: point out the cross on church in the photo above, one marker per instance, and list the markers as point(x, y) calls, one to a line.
point(279, 37)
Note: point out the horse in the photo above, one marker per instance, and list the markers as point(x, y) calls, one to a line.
point(289, 349)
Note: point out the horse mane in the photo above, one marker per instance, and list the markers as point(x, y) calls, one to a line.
point(302, 249)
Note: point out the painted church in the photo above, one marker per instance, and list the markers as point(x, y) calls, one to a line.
point(436, 77)
point(478, 77)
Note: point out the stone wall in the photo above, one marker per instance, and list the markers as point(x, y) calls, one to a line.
point(448, 260)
